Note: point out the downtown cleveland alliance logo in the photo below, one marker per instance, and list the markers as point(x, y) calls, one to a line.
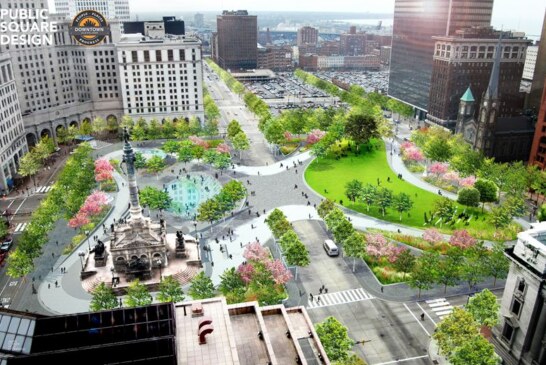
point(89, 28)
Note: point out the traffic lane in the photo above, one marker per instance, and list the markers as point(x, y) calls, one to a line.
point(387, 332)
point(332, 272)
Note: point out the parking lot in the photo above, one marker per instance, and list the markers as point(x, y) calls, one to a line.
point(369, 80)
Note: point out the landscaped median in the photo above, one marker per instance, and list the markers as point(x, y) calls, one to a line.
point(329, 177)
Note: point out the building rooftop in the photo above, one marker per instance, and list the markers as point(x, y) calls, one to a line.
point(468, 97)
point(531, 248)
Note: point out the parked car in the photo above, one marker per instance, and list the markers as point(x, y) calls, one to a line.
point(6, 245)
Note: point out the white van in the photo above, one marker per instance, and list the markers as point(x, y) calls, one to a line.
point(330, 248)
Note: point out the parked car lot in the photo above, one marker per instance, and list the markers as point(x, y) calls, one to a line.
point(369, 80)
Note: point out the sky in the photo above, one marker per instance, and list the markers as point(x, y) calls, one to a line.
point(524, 15)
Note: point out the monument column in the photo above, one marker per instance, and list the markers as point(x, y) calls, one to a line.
point(129, 159)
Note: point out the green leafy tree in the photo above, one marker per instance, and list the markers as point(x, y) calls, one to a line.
point(232, 286)
point(325, 207)
point(20, 263)
point(127, 122)
point(343, 230)
point(209, 211)
point(211, 128)
point(476, 351)
point(112, 124)
point(296, 254)
point(469, 197)
point(444, 209)
point(98, 125)
point(154, 198)
point(496, 264)
point(354, 246)
point(449, 269)
point(138, 295)
point(383, 199)
point(185, 151)
point(274, 132)
point(334, 218)
point(515, 206)
point(103, 298)
point(402, 203)
point(154, 130)
point(62, 135)
point(352, 360)
point(437, 149)
point(171, 146)
point(235, 190)
point(233, 129)
point(140, 160)
point(405, 262)
point(361, 128)
point(424, 274)
point(194, 126)
point(155, 164)
point(335, 339)
point(288, 239)
point(170, 291)
point(368, 195)
point(221, 161)
point(472, 268)
point(484, 308)
point(454, 330)
point(29, 166)
point(352, 189)
point(201, 287)
point(86, 128)
point(240, 142)
point(488, 191)
point(500, 217)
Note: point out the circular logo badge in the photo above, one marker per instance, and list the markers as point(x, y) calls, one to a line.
point(89, 28)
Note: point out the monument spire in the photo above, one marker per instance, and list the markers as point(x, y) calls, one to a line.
point(129, 159)
point(492, 92)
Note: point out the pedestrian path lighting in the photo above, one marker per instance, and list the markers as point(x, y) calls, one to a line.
point(88, 243)
point(82, 255)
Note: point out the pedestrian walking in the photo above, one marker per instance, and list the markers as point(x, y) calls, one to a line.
point(49, 286)
point(320, 290)
point(310, 296)
point(56, 284)
point(422, 316)
point(381, 289)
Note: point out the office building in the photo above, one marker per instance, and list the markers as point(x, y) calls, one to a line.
point(194, 332)
point(198, 20)
point(535, 94)
point(276, 58)
point(415, 23)
point(156, 29)
point(538, 150)
point(466, 59)
point(236, 41)
point(519, 338)
point(353, 43)
point(307, 36)
point(385, 55)
point(12, 132)
point(110, 9)
point(529, 69)
point(161, 77)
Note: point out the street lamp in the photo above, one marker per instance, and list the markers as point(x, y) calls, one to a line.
point(88, 243)
point(159, 263)
point(81, 254)
point(198, 253)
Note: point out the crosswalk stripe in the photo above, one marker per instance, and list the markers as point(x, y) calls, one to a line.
point(435, 300)
point(438, 304)
point(443, 313)
point(351, 295)
point(443, 308)
point(359, 295)
point(364, 294)
point(341, 297)
point(18, 227)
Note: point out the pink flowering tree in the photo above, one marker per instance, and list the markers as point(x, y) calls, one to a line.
point(462, 239)
point(80, 220)
point(199, 142)
point(222, 148)
point(467, 182)
point(281, 275)
point(377, 245)
point(246, 271)
point(406, 146)
point(433, 236)
point(97, 196)
point(438, 168)
point(288, 136)
point(91, 208)
point(414, 155)
point(451, 177)
point(255, 252)
point(394, 252)
point(103, 170)
point(315, 136)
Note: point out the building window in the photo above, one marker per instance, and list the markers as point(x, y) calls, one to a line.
point(517, 304)
point(507, 332)
point(521, 286)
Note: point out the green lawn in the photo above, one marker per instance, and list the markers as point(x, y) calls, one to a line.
point(328, 174)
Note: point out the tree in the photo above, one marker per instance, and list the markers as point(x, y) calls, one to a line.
point(475, 351)
point(240, 142)
point(424, 274)
point(444, 209)
point(335, 339)
point(383, 199)
point(515, 206)
point(209, 211)
point(361, 128)
point(484, 308)
point(462, 239)
point(436, 149)
point(335, 217)
point(103, 298)
point(297, 254)
point(20, 263)
point(472, 269)
point(405, 262)
point(343, 230)
point(352, 360)
point(496, 264)
point(232, 286)
point(211, 128)
point(155, 164)
point(352, 189)
point(402, 203)
point(368, 195)
point(185, 151)
point(454, 330)
point(449, 269)
point(170, 291)
point(138, 295)
point(171, 146)
point(154, 198)
point(488, 191)
point(274, 132)
point(288, 239)
point(500, 217)
point(233, 129)
point(29, 166)
point(469, 197)
point(354, 246)
point(325, 207)
point(201, 287)
point(98, 125)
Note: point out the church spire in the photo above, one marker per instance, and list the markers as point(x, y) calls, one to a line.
point(492, 92)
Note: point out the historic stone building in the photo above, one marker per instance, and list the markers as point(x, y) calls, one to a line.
point(521, 335)
point(504, 138)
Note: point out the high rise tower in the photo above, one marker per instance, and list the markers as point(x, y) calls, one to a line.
point(237, 40)
point(415, 23)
